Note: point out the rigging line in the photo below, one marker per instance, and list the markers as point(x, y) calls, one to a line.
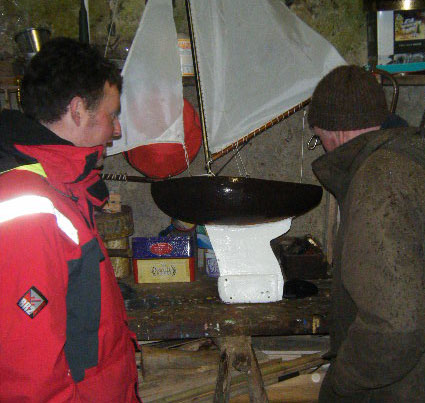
point(243, 171)
point(242, 163)
point(237, 161)
point(186, 156)
point(114, 11)
point(302, 147)
point(230, 159)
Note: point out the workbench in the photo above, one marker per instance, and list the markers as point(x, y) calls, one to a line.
point(169, 311)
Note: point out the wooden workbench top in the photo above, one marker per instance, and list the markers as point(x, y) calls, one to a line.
point(194, 310)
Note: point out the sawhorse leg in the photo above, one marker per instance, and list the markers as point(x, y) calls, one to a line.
point(237, 351)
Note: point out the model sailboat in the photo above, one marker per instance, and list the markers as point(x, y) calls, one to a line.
point(256, 63)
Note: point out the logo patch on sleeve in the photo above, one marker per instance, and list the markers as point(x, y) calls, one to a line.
point(32, 302)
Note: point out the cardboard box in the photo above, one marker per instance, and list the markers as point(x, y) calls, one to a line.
point(211, 264)
point(163, 259)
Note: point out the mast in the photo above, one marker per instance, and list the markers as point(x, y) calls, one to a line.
point(207, 154)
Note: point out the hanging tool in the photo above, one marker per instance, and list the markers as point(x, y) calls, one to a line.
point(83, 23)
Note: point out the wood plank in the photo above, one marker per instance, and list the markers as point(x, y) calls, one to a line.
point(156, 359)
point(177, 386)
point(300, 389)
point(194, 310)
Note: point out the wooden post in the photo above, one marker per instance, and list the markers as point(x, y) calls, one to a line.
point(222, 386)
point(237, 351)
point(257, 392)
point(331, 227)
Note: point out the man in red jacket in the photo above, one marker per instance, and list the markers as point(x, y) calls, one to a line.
point(63, 330)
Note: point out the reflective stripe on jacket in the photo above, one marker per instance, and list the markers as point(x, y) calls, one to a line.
point(33, 204)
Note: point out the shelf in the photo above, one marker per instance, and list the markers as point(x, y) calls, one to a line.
point(406, 79)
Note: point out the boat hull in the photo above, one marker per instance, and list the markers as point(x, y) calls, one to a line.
point(233, 200)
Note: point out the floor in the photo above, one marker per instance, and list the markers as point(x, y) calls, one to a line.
point(172, 377)
point(301, 389)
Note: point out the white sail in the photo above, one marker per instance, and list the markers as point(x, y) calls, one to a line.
point(152, 97)
point(256, 60)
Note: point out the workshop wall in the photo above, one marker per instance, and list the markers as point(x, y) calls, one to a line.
point(280, 153)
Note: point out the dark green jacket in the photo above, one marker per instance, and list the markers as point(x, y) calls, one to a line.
point(378, 330)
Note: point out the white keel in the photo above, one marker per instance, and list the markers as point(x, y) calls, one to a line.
point(249, 270)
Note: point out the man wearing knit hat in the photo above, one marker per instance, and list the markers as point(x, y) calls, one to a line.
point(375, 167)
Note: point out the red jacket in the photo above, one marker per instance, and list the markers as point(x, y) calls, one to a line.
point(63, 331)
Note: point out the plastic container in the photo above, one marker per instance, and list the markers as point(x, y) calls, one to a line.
point(31, 39)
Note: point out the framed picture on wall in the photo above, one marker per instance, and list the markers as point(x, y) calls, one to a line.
point(409, 35)
point(401, 40)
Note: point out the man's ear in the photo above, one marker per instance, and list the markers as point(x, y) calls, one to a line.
point(77, 108)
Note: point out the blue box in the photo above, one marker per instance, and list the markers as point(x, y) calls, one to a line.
point(203, 241)
point(162, 247)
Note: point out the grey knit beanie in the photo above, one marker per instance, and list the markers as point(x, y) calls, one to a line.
point(348, 98)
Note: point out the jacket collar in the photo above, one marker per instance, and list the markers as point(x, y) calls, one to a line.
point(17, 128)
point(68, 168)
point(64, 163)
point(335, 169)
